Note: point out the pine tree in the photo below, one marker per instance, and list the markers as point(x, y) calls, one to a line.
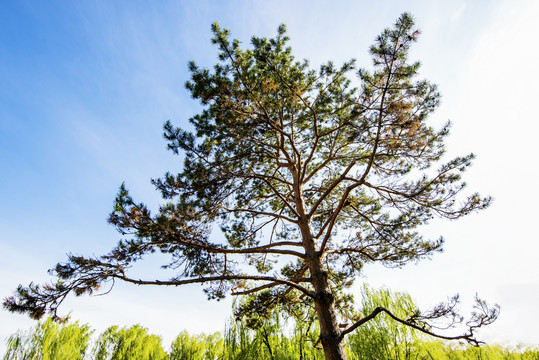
point(301, 174)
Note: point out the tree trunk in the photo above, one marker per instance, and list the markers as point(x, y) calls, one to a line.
point(330, 333)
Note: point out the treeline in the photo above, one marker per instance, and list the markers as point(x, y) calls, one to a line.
point(272, 338)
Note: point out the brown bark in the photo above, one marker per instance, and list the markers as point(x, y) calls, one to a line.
point(330, 333)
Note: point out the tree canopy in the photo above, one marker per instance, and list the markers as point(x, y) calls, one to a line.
point(293, 180)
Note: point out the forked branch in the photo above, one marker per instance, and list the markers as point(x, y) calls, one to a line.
point(481, 317)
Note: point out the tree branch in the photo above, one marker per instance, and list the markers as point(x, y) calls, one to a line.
point(267, 286)
point(486, 317)
point(215, 278)
point(263, 213)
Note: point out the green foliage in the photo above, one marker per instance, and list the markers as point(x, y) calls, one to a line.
point(275, 338)
point(444, 351)
point(385, 339)
point(382, 337)
point(269, 341)
point(129, 343)
point(240, 342)
point(50, 340)
point(201, 347)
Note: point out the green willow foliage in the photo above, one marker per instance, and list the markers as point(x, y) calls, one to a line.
point(273, 338)
point(201, 347)
point(50, 341)
point(383, 338)
point(129, 343)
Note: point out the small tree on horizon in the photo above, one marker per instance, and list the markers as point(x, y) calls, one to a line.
point(293, 180)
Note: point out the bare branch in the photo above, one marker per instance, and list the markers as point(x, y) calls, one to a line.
point(262, 213)
point(485, 317)
point(216, 278)
point(267, 286)
point(330, 188)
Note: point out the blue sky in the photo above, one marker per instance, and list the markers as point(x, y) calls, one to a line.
point(86, 86)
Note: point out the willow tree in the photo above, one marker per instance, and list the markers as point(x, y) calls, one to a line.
point(293, 180)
